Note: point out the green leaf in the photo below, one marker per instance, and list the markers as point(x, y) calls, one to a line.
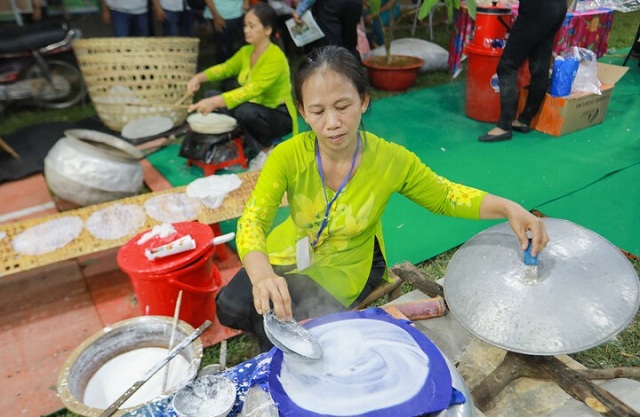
point(426, 7)
point(374, 6)
point(471, 7)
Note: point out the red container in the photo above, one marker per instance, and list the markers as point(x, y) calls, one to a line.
point(482, 100)
point(491, 27)
point(157, 282)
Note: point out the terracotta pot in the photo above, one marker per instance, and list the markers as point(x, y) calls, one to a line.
point(397, 75)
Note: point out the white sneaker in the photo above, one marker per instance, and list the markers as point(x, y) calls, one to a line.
point(257, 163)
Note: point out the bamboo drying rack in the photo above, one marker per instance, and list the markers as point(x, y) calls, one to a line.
point(12, 261)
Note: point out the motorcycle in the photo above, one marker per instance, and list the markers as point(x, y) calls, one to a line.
point(37, 67)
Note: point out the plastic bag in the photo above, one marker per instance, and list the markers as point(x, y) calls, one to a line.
point(586, 80)
point(564, 72)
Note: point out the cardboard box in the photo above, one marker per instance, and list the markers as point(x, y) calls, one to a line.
point(561, 115)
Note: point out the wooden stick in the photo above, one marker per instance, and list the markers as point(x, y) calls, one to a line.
point(176, 313)
point(409, 273)
point(223, 354)
point(4, 145)
point(511, 368)
point(573, 382)
point(611, 373)
point(183, 98)
point(576, 385)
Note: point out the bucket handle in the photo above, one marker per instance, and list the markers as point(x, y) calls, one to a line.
point(495, 3)
point(215, 274)
point(200, 290)
point(504, 23)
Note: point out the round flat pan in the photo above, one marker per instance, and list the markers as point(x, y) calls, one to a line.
point(586, 291)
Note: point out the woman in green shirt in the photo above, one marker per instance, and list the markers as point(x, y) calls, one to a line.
point(329, 254)
point(263, 102)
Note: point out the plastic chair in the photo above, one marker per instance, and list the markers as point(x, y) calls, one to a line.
point(418, 3)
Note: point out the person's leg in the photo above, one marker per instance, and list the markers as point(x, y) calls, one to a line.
point(378, 33)
point(263, 124)
point(120, 24)
point(170, 24)
point(236, 34)
point(514, 54)
point(351, 12)
point(140, 24)
point(186, 23)
point(540, 61)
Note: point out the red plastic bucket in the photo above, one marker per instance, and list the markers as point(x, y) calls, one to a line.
point(157, 282)
point(482, 100)
point(491, 26)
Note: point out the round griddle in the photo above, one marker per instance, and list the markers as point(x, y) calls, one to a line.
point(586, 291)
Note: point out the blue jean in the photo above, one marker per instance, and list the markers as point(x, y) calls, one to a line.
point(178, 23)
point(125, 24)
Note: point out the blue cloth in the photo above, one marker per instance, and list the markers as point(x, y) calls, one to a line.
point(256, 371)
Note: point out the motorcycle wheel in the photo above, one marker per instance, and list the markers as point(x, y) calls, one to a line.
point(66, 88)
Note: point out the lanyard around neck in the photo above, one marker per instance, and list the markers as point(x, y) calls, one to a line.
point(325, 220)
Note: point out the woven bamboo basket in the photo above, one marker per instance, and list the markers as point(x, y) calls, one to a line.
point(136, 78)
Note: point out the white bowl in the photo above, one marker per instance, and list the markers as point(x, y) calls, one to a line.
point(207, 396)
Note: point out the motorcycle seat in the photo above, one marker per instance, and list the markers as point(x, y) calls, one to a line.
point(29, 38)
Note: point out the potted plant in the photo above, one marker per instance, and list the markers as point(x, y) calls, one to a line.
point(393, 72)
point(390, 72)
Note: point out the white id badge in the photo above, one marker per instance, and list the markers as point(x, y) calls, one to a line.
point(303, 256)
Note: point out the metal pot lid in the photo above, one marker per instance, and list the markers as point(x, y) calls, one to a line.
point(106, 143)
point(586, 291)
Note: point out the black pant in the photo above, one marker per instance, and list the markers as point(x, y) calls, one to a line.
point(235, 309)
point(262, 125)
point(531, 36)
point(338, 20)
point(229, 40)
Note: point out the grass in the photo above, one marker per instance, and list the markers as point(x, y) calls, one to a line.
point(623, 350)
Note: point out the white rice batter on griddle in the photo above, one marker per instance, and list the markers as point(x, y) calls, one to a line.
point(367, 365)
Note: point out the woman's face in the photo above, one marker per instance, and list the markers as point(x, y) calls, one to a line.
point(254, 31)
point(333, 108)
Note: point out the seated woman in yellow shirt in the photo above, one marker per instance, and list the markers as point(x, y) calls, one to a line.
point(263, 102)
point(329, 254)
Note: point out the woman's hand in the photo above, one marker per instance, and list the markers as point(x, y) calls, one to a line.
point(520, 220)
point(194, 83)
point(207, 105)
point(270, 290)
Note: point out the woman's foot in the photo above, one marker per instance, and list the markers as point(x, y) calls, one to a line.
point(496, 135)
point(520, 127)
